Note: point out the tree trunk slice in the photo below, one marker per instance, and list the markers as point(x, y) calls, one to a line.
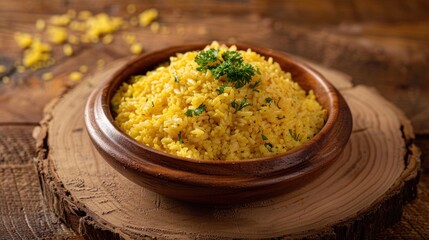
point(356, 197)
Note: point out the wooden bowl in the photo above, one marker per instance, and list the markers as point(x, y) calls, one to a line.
point(217, 182)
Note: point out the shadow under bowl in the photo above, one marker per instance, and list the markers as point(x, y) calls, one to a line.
point(217, 182)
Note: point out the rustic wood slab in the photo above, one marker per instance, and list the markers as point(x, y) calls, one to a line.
point(23, 215)
point(356, 197)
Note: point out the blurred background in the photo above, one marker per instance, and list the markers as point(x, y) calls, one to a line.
point(378, 43)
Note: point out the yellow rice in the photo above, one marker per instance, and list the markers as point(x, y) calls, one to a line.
point(151, 109)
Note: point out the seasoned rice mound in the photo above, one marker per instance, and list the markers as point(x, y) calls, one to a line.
point(151, 109)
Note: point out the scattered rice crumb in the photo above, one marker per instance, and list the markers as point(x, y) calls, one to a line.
point(102, 24)
point(78, 26)
point(84, 15)
point(40, 24)
point(136, 48)
point(71, 13)
point(154, 27)
point(81, 27)
point(134, 21)
point(85, 39)
point(129, 38)
point(83, 69)
point(68, 50)
point(5, 80)
point(107, 39)
point(24, 40)
point(47, 76)
point(131, 8)
point(38, 55)
point(148, 16)
point(73, 39)
point(60, 20)
point(57, 34)
point(75, 76)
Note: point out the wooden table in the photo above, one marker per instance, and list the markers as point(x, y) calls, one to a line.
point(378, 44)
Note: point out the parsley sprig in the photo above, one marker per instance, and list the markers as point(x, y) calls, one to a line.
point(238, 105)
point(197, 111)
point(207, 60)
point(231, 65)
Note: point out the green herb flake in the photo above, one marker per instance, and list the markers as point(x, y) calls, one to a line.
point(240, 105)
point(264, 137)
point(269, 146)
point(293, 135)
point(268, 99)
point(222, 88)
point(180, 137)
point(254, 85)
point(176, 78)
point(197, 111)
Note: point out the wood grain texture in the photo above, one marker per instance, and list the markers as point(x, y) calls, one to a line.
point(412, 225)
point(357, 196)
point(23, 215)
point(16, 145)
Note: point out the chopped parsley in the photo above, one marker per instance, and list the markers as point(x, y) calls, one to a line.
point(240, 105)
point(269, 146)
point(197, 111)
point(222, 88)
point(176, 78)
point(230, 65)
point(294, 135)
point(268, 99)
point(180, 137)
point(254, 85)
